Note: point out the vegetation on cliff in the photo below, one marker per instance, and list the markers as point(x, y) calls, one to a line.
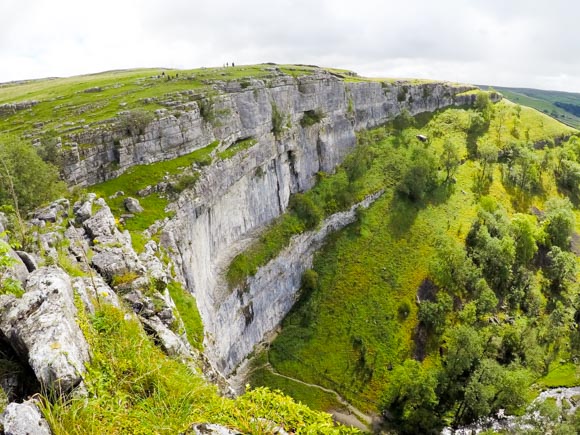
point(418, 307)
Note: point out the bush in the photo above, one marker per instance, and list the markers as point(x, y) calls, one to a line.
point(277, 121)
point(404, 310)
point(185, 182)
point(311, 117)
point(421, 175)
point(134, 122)
point(306, 210)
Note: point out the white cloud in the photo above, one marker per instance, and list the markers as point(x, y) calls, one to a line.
point(513, 43)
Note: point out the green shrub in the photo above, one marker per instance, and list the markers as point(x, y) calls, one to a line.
point(306, 210)
point(187, 308)
point(26, 181)
point(185, 182)
point(311, 117)
point(277, 121)
point(134, 122)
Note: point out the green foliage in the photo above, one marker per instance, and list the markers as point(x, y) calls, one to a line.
point(434, 314)
point(134, 388)
point(134, 122)
point(561, 267)
point(358, 162)
point(411, 398)
point(185, 182)
point(187, 308)
point(311, 117)
point(450, 158)
point(421, 174)
point(235, 148)
point(8, 285)
point(525, 233)
point(403, 120)
point(496, 286)
point(559, 222)
point(484, 106)
point(24, 176)
point(277, 121)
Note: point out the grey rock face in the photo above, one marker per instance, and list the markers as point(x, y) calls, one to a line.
point(248, 113)
point(132, 205)
point(24, 419)
point(235, 198)
point(42, 329)
point(244, 317)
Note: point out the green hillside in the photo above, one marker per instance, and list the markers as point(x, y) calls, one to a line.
point(563, 106)
point(446, 270)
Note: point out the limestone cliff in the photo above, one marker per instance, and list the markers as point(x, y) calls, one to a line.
point(236, 197)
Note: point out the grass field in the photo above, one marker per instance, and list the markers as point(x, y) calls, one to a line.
point(545, 101)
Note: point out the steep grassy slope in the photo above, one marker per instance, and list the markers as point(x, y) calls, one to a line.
point(359, 321)
point(132, 387)
point(563, 106)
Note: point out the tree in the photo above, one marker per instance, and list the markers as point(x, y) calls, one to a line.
point(561, 268)
point(26, 181)
point(306, 210)
point(559, 223)
point(410, 397)
point(403, 120)
point(450, 158)
point(434, 314)
point(484, 105)
point(453, 270)
point(358, 162)
point(421, 174)
point(495, 256)
point(523, 228)
point(486, 301)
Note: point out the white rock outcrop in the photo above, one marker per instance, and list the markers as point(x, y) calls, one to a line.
point(24, 419)
point(41, 327)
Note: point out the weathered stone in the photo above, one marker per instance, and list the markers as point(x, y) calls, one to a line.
point(101, 226)
point(116, 261)
point(41, 328)
point(28, 260)
point(170, 342)
point(24, 419)
point(211, 429)
point(94, 289)
point(132, 205)
point(47, 215)
point(83, 211)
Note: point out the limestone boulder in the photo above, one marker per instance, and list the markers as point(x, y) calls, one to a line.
point(24, 419)
point(132, 205)
point(41, 327)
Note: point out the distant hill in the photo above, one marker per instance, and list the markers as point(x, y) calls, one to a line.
point(563, 106)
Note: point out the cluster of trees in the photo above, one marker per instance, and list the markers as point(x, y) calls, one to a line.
point(504, 310)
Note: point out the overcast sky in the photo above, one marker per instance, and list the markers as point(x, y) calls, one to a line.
point(533, 43)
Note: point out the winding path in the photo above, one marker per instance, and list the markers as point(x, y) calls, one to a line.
point(357, 418)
